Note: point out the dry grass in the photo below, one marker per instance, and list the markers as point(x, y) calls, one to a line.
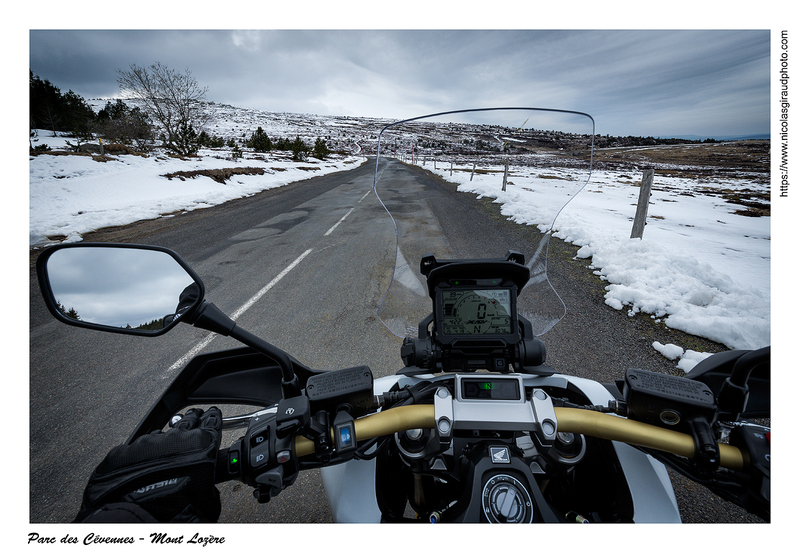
point(219, 175)
point(704, 163)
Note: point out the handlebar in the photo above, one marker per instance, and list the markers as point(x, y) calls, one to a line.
point(610, 427)
point(398, 419)
point(579, 421)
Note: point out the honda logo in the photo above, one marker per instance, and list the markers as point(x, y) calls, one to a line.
point(500, 455)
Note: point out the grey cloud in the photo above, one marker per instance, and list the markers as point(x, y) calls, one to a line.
point(633, 82)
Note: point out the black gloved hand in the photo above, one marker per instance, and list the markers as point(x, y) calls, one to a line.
point(168, 475)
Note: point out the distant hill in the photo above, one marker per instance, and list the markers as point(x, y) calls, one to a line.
point(719, 137)
point(348, 133)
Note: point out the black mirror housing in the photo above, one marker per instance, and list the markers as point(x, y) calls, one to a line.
point(123, 288)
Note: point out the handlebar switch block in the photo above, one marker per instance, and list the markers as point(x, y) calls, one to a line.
point(293, 416)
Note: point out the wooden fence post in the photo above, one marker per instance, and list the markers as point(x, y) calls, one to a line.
point(473, 171)
point(505, 176)
point(644, 200)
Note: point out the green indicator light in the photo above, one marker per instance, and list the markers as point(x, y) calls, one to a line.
point(486, 385)
point(234, 460)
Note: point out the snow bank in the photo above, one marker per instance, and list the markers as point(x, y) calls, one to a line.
point(699, 268)
point(72, 195)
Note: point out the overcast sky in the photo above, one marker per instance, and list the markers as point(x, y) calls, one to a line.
point(659, 83)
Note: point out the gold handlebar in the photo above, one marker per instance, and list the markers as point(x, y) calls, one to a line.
point(608, 427)
point(384, 423)
point(578, 421)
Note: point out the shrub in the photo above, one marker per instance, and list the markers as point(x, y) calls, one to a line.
point(210, 141)
point(185, 141)
point(119, 123)
point(299, 150)
point(321, 150)
point(259, 141)
point(283, 144)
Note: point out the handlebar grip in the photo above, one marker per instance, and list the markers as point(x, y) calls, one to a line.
point(221, 472)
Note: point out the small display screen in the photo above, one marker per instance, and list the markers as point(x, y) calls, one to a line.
point(469, 312)
point(491, 388)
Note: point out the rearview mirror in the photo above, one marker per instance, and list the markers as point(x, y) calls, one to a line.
point(124, 288)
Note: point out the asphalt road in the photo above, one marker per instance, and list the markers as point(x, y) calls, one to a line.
point(88, 389)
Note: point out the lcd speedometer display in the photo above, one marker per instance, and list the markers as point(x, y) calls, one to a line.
point(469, 312)
point(491, 389)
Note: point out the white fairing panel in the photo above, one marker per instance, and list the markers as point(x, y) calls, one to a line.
point(650, 486)
point(350, 488)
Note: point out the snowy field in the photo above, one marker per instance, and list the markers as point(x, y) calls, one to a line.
point(73, 195)
point(699, 268)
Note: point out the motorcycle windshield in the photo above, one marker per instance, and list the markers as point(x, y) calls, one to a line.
point(533, 161)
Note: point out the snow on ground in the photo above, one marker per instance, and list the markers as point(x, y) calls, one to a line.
point(72, 195)
point(699, 268)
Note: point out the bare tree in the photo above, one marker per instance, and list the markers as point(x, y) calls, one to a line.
point(173, 100)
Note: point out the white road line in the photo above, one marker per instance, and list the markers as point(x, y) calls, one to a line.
point(339, 222)
point(249, 303)
point(189, 354)
point(238, 313)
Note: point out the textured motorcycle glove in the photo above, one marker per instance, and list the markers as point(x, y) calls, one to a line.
point(168, 474)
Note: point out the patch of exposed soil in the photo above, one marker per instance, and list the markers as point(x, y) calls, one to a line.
point(746, 156)
point(219, 175)
point(108, 150)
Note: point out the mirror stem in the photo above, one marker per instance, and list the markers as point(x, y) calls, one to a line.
point(209, 317)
